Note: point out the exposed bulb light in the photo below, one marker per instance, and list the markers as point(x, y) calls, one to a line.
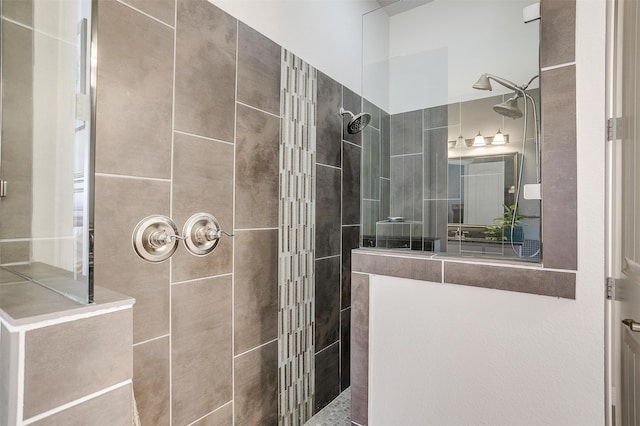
point(499, 139)
point(479, 140)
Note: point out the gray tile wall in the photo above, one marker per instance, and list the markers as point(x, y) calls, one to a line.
point(59, 357)
point(173, 138)
point(337, 233)
point(17, 131)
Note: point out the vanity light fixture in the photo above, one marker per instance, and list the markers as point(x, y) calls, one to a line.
point(479, 140)
point(499, 138)
point(460, 143)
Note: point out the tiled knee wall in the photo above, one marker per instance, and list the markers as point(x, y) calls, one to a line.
point(67, 370)
point(188, 120)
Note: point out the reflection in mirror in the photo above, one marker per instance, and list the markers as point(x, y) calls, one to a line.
point(451, 160)
point(45, 144)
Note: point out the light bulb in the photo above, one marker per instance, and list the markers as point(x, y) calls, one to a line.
point(499, 139)
point(479, 140)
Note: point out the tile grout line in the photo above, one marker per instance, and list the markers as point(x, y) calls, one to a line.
point(195, 135)
point(153, 339)
point(147, 15)
point(201, 279)
point(256, 348)
point(113, 175)
point(173, 139)
point(211, 412)
point(233, 225)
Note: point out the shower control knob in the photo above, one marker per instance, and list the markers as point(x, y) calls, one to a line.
point(211, 234)
point(202, 233)
point(155, 238)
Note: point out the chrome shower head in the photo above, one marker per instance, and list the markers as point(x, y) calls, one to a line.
point(357, 122)
point(484, 83)
point(509, 108)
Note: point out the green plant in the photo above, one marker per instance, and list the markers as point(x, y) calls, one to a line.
point(501, 230)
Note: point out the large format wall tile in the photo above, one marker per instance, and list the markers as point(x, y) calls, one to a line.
point(558, 32)
point(59, 357)
point(202, 182)
point(256, 386)
point(345, 349)
point(327, 211)
point(201, 363)
point(559, 169)
point(151, 381)
point(328, 121)
point(327, 298)
point(205, 70)
point(17, 133)
point(351, 102)
point(256, 288)
point(111, 408)
point(350, 241)
point(133, 127)
point(222, 416)
point(257, 173)
point(18, 10)
point(259, 66)
point(350, 184)
point(327, 380)
point(164, 10)
point(360, 349)
point(120, 203)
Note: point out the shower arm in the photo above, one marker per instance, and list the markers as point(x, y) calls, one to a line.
point(509, 85)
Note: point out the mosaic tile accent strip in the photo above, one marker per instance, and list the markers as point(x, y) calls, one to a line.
point(296, 241)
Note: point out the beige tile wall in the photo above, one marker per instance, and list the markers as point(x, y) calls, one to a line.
point(178, 134)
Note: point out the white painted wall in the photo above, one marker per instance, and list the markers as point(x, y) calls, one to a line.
point(456, 355)
point(325, 33)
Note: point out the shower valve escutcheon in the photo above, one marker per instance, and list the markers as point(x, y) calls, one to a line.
point(202, 233)
point(155, 238)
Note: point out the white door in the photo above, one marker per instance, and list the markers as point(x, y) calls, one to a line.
point(624, 214)
point(483, 192)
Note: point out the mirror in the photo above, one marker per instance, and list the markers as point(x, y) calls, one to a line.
point(480, 187)
point(434, 80)
point(45, 146)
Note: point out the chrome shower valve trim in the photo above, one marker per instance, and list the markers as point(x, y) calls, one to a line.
point(155, 238)
point(202, 233)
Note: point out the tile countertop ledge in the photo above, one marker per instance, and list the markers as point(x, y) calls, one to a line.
point(23, 303)
point(477, 272)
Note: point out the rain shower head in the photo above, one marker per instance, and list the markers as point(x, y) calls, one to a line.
point(357, 122)
point(509, 108)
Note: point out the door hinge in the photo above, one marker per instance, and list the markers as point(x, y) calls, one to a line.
point(614, 128)
point(611, 288)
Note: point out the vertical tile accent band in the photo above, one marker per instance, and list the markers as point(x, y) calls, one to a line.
point(296, 241)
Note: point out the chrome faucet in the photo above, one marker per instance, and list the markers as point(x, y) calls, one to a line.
point(460, 234)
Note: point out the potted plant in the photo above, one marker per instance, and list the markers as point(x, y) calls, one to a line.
point(502, 230)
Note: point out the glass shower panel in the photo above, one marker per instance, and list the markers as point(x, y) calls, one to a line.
point(448, 159)
point(45, 145)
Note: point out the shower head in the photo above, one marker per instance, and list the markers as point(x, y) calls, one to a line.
point(509, 108)
point(357, 122)
point(484, 83)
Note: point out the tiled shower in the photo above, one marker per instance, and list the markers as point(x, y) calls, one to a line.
point(189, 120)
